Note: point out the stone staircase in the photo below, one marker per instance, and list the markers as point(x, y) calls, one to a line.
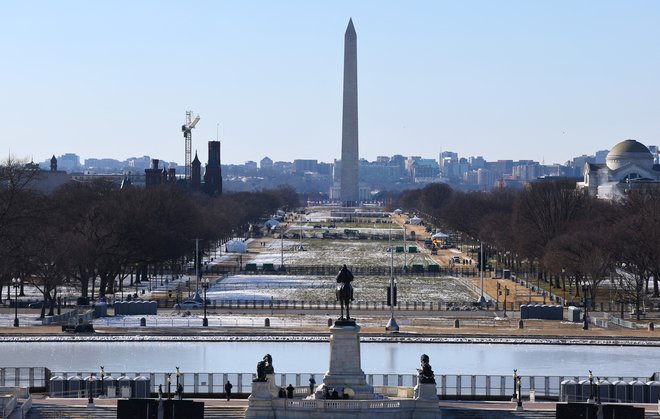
point(58, 411)
point(220, 412)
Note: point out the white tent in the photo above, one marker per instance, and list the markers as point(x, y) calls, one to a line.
point(398, 211)
point(416, 221)
point(271, 223)
point(236, 246)
point(440, 236)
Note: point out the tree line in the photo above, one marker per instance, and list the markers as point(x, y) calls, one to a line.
point(88, 234)
point(565, 238)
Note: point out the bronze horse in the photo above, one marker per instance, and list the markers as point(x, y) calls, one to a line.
point(344, 291)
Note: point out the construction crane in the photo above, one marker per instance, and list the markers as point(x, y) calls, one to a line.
point(187, 135)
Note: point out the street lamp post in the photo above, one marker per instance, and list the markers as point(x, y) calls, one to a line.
point(169, 386)
point(591, 388)
point(519, 406)
point(197, 263)
point(481, 299)
point(102, 376)
point(16, 283)
point(281, 248)
point(392, 325)
point(515, 379)
point(563, 280)
point(205, 322)
point(585, 326)
point(178, 376)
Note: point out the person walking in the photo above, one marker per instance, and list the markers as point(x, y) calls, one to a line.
point(179, 391)
point(228, 388)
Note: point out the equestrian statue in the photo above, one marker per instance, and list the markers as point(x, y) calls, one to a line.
point(344, 291)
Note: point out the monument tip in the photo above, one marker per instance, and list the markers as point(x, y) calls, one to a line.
point(350, 29)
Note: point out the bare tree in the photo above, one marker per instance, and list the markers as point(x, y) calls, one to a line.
point(544, 211)
point(17, 214)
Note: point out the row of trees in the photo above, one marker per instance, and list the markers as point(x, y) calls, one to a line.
point(570, 238)
point(95, 231)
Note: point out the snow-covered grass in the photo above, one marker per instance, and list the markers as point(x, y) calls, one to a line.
point(324, 252)
point(310, 288)
point(373, 249)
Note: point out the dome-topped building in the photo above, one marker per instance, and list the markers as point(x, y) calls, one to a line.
point(629, 151)
point(629, 164)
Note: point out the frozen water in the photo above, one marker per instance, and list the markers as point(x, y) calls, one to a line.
point(304, 356)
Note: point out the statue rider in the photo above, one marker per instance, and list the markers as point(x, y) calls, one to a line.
point(344, 290)
point(345, 277)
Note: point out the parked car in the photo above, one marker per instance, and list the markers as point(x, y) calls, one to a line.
point(456, 259)
point(187, 304)
point(38, 304)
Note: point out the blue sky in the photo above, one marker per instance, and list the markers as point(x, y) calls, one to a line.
point(543, 80)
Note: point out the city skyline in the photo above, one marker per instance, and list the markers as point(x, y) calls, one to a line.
point(504, 81)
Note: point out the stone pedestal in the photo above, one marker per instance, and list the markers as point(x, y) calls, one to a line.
point(274, 389)
point(426, 391)
point(345, 372)
point(426, 402)
point(260, 402)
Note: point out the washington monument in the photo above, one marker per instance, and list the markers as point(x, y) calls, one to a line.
point(349, 132)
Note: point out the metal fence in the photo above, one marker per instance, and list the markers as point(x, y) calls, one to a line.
point(24, 377)
point(448, 386)
point(274, 304)
point(263, 321)
point(331, 270)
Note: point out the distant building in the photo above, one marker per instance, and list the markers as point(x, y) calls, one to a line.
point(138, 164)
point(196, 174)
point(302, 166)
point(213, 173)
point(69, 162)
point(425, 168)
point(601, 156)
point(103, 165)
point(477, 162)
point(629, 165)
point(155, 176)
point(485, 179)
point(251, 166)
point(45, 181)
point(527, 171)
point(578, 163)
point(282, 166)
point(266, 164)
